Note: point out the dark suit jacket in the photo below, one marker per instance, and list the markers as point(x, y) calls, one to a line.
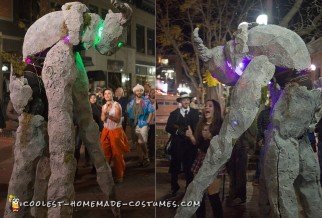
point(182, 150)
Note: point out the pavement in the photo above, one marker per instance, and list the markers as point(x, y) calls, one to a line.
point(138, 184)
point(248, 209)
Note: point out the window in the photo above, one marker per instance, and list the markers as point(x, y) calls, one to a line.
point(151, 41)
point(140, 39)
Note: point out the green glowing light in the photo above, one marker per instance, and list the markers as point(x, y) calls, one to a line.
point(99, 32)
point(120, 44)
point(79, 62)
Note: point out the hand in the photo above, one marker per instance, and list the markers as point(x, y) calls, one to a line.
point(189, 132)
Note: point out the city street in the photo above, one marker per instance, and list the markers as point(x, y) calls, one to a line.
point(249, 209)
point(138, 184)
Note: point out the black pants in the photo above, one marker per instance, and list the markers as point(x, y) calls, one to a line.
point(184, 165)
point(237, 169)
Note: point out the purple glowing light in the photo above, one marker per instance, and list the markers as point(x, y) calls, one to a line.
point(28, 60)
point(242, 65)
point(66, 39)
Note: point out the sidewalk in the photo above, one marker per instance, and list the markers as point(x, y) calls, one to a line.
point(249, 209)
point(138, 184)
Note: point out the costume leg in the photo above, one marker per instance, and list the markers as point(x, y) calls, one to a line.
point(41, 184)
point(292, 115)
point(244, 107)
point(90, 133)
point(320, 159)
point(59, 74)
point(309, 184)
point(29, 147)
point(281, 170)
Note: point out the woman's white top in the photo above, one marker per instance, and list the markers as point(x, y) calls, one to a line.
point(110, 124)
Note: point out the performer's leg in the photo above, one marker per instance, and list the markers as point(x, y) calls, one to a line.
point(59, 74)
point(309, 184)
point(281, 170)
point(90, 133)
point(29, 147)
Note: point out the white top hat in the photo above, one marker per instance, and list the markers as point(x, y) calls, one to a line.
point(138, 87)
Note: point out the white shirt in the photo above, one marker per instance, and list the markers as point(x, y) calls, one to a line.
point(182, 111)
point(109, 124)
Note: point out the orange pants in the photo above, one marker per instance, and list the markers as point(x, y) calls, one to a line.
point(114, 144)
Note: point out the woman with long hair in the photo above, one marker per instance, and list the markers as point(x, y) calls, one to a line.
point(113, 139)
point(208, 127)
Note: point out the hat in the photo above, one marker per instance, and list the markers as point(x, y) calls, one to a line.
point(138, 87)
point(184, 95)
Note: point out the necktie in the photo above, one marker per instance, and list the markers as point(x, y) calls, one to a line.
point(185, 113)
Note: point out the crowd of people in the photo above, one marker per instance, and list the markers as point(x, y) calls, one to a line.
point(113, 112)
point(190, 132)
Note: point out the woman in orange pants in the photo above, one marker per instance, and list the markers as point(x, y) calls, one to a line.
point(114, 142)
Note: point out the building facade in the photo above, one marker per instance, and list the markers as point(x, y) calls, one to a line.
point(134, 63)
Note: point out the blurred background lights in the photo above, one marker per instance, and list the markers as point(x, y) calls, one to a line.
point(262, 19)
point(312, 67)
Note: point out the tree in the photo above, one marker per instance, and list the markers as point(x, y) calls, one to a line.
point(218, 19)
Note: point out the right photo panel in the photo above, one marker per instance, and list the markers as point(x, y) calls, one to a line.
point(238, 108)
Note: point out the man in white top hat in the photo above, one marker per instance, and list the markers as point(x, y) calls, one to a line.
point(182, 151)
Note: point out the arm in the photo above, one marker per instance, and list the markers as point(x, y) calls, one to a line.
point(190, 135)
point(104, 113)
point(170, 127)
point(151, 111)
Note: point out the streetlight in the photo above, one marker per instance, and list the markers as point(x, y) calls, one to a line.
point(262, 19)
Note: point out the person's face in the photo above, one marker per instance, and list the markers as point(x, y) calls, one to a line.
point(108, 95)
point(185, 102)
point(152, 94)
point(206, 134)
point(100, 94)
point(119, 92)
point(138, 93)
point(147, 88)
point(92, 99)
point(209, 110)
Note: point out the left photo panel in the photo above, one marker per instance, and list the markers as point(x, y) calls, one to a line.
point(77, 108)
